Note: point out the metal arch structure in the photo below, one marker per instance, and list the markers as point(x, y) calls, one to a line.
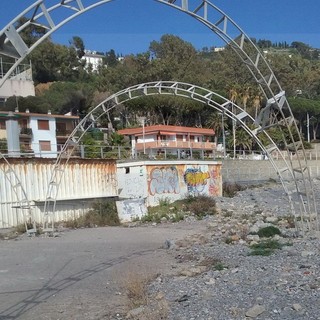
point(185, 90)
point(277, 111)
point(21, 195)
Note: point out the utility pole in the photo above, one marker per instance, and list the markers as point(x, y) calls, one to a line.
point(223, 136)
point(308, 126)
point(144, 143)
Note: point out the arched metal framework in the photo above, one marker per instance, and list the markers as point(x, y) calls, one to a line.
point(276, 113)
point(205, 96)
point(20, 193)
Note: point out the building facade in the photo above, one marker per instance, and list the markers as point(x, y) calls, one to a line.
point(147, 183)
point(93, 60)
point(161, 140)
point(36, 134)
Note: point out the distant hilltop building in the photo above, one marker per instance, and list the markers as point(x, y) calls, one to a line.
point(93, 60)
point(218, 49)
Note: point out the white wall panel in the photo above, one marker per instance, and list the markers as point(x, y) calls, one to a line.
point(83, 180)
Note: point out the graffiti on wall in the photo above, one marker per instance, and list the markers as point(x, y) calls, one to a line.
point(131, 209)
point(134, 186)
point(214, 183)
point(196, 180)
point(164, 180)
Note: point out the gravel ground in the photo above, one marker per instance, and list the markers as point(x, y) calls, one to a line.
point(217, 278)
point(198, 269)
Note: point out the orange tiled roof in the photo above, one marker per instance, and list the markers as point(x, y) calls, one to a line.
point(156, 129)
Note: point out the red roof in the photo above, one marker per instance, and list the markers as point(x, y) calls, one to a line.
point(169, 130)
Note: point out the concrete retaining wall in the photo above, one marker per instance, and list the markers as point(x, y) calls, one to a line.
point(250, 170)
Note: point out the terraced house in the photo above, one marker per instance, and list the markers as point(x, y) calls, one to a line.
point(171, 141)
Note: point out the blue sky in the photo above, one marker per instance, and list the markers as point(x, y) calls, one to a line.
point(128, 26)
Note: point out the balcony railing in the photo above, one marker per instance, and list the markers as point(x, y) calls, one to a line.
point(26, 132)
point(140, 146)
point(63, 133)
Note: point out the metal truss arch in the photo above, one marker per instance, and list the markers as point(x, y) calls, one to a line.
point(276, 113)
point(185, 90)
point(24, 204)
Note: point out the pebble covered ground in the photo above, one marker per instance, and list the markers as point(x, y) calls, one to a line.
point(216, 276)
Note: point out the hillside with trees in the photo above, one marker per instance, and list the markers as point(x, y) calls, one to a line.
point(74, 88)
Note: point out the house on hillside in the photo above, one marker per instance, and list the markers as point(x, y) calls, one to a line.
point(162, 141)
point(35, 133)
point(93, 60)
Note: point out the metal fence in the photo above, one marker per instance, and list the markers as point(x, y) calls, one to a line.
point(98, 151)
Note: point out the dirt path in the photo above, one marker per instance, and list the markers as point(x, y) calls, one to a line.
point(81, 274)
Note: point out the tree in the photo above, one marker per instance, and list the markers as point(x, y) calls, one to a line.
point(215, 122)
point(176, 59)
point(78, 45)
point(31, 33)
point(34, 104)
point(110, 59)
point(242, 140)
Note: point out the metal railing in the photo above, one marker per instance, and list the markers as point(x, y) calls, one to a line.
point(98, 151)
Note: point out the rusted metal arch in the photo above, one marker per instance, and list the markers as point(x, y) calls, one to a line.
point(11, 44)
point(185, 90)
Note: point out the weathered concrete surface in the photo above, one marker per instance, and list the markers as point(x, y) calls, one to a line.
point(81, 273)
point(260, 170)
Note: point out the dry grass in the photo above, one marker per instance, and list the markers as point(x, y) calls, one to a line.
point(136, 287)
point(154, 307)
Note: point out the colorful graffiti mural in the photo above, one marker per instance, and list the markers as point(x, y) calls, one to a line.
point(196, 180)
point(164, 180)
point(214, 183)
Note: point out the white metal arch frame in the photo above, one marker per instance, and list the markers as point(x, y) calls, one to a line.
point(185, 90)
point(277, 111)
point(24, 203)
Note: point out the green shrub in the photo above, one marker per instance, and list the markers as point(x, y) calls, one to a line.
point(176, 217)
point(219, 266)
point(268, 232)
point(201, 205)
point(103, 213)
point(265, 248)
point(164, 202)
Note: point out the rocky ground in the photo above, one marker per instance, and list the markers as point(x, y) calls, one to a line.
point(215, 276)
point(182, 271)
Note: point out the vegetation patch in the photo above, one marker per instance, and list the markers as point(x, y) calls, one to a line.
point(268, 232)
point(103, 213)
point(136, 287)
point(266, 248)
point(201, 205)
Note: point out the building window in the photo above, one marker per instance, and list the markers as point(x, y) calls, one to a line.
point(61, 127)
point(45, 145)
point(43, 124)
point(23, 123)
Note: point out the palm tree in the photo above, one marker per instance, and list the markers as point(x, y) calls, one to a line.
point(242, 140)
point(245, 95)
point(217, 123)
point(256, 101)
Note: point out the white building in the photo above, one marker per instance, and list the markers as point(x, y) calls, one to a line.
point(41, 135)
point(93, 60)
